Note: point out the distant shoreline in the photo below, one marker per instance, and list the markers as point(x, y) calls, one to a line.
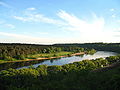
point(38, 59)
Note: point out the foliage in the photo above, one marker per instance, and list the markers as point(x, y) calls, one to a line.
point(114, 47)
point(76, 76)
point(83, 75)
point(11, 52)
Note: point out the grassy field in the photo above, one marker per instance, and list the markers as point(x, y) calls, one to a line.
point(36, 56)
point(43, 55)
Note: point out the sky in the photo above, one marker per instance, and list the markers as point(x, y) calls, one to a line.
point(59, 21)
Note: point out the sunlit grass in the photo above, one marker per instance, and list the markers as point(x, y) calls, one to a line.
point(46, 55)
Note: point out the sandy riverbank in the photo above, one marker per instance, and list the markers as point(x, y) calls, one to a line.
point(81, 53)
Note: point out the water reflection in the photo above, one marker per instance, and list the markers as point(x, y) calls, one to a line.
point(59, 61)
point(80, 55)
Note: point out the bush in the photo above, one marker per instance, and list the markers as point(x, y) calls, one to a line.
point(8, 58)
point(21, 57)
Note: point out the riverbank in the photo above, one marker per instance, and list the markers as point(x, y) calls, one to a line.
point(44, 58)
point(90, 75)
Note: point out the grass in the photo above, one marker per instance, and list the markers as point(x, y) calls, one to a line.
point(36, 56)
point(1, 61)
point(44, 55)
point(4, 61)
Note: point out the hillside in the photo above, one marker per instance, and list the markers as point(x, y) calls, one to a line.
point(98, 74)
point(83, 75)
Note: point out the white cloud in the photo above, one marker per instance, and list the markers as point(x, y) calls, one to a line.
point(112, 9)
point(93, 31)
point(10, 26)
point(26, 38)
point(31, 9)
point(81, 25)
point(4, 4)
point(118, 29)
point(3, 23)
point(42, 33)
point(14, 35)
point(113, 16)
point(118, 21)
point(21, 18)
point(20, 38)
point(38, 17)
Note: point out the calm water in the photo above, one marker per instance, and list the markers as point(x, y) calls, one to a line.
point(72, 59)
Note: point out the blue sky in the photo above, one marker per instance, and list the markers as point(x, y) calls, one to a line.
point(59, 21)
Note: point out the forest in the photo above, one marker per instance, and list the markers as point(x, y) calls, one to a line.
point(114, 47)
point(14, 51)
point(96, 74)
point(74, 76)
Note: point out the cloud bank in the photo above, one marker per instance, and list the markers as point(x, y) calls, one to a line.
point(94, 30)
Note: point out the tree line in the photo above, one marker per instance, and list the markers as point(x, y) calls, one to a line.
point(114, 47)
point(17, 51)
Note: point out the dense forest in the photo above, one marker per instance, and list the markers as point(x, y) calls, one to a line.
point(115, 47)
point(98, 74)
point(83, 75)
point(11, 52)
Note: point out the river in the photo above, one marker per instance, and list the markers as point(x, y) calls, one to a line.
point(60, 61)
point(66, 60)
